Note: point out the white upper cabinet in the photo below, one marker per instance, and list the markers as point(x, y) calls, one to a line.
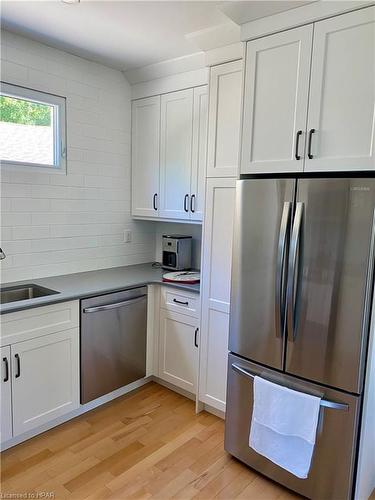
point(174, 125)
point(176, 154)
point(145, 156)
point(275, 102)
point(224, 119)
point(341, 115)
point(309, 98)
point(198, 172)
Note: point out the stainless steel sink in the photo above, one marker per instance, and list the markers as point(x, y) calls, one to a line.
point(23, 292)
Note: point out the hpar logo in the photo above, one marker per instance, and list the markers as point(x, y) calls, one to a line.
point(360, 188)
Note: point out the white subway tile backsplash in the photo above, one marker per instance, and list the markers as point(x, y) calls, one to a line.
point(15, 219)
point(29, 205)
point(29, 232)
point(55, 223)
point(15, 190)
point(14, 73)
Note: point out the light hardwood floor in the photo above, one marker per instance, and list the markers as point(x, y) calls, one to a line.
point(147, 444)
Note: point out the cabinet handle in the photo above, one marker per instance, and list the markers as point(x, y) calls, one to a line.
point(186, 203)
point(297, 156)
point(310, 140)
point(180, 302)
point(192, 203)
point(6, 378)
point(18, 365)
point(154, 201)
point(196, 337)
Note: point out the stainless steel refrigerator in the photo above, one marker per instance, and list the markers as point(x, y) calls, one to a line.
point(302, 284)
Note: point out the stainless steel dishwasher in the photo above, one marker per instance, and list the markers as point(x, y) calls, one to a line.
point(113, 341)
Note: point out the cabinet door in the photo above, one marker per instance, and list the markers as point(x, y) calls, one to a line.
point(198, 173)
point(224, 120)
point(178, 352)
point(275, 102)
point(216, 279)
point(145, 156)
point(176, 154)
point(45, 379)
point(342, 93)
point(6, 396)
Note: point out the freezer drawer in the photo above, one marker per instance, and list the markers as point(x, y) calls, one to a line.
point(113, 341)
point(331, 473)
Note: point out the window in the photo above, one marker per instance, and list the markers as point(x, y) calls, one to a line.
point(32, 128)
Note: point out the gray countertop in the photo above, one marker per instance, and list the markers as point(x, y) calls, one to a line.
point(91, 283)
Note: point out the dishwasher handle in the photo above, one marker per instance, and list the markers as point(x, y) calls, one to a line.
point(115, 305)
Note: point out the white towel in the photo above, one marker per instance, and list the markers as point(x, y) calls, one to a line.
point(283, 426)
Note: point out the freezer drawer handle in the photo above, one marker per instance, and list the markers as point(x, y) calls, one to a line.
point(326, 403)
point(107, 307)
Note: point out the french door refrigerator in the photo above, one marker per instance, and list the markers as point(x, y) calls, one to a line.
point(302, 283)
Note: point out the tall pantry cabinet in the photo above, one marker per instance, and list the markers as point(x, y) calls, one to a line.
point(222, 170)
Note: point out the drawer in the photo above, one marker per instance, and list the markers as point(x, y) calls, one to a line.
point(38, 321)
point(180, 301)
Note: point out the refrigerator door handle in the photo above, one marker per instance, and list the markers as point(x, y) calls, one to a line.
point(326, 403)
point(293, 272)
point(280, 270)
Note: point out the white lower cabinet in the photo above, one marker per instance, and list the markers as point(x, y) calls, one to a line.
point(178, 350)
point(216, 278)
point(39, 367)
point(6, 395)
point(45, 379)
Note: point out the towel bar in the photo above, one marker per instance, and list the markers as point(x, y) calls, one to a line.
point(323, 402)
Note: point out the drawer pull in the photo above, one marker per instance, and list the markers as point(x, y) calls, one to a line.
point(180, 302)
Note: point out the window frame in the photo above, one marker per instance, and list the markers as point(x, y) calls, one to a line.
point(59, 127)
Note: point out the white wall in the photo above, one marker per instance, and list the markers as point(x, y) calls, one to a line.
point(56, 224)
point(194, 230)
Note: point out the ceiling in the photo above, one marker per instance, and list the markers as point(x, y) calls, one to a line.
point(128, 34)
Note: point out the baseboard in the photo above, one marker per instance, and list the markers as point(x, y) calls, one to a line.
point(173, 388)
point(214, 411)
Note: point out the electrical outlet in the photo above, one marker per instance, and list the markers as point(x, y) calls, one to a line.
point(127, 236)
